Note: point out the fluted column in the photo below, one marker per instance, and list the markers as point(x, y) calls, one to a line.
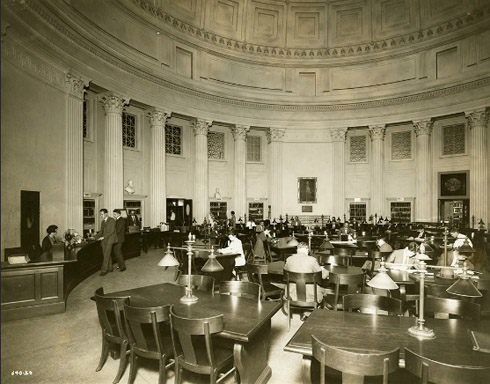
point(201, 188)
point(158, 193)
point(338, 161)
point(275, 137)
point(423, 170)
point(377, 133)
point(240, 174)
point(479, 179)
point(74, 152)
point(113, 151)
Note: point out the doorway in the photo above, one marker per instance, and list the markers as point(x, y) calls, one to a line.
point(455, 212)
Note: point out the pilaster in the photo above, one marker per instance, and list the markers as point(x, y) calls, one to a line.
point(240, 171)
point(275, 137)
point(338, 161)
point(113, 152)
point(377, 134)
point(423, 170)
point(158, 193)
point(478, 123)
point(201, 179)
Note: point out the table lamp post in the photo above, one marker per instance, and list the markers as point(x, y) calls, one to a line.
point(189, 298)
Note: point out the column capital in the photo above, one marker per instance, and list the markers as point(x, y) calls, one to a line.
point(201, 126)
point(113, 102)
point(275, 134)
point(423, 127)
point(75, 85)
point(240, 131)
point(338, 134)
point(158, 117)
point(477, 117)
point(377, 132)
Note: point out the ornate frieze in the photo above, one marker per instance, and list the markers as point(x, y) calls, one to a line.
point(275, 134)
point(423, 127)
point(338, 134)
point(201, 127)
point(377, 132)
point(113, 103)
point(240, 132)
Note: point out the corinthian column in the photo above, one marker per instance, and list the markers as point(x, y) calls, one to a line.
point(74, 152)
point(423, 170)
point(275, 137)
point(113, 152)
point(377, 133)
point(201, 188)
point(478, 123)
point(240, 176)
point(158, 193)
point(338, 161)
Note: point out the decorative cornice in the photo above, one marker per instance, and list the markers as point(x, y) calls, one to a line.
point(158, 117)
point(240, 131)
point(423, 127)
point(478, 117)
point(75, 85)
point(338, 134)
point(377, 132)
point(309, 53)
point(201, 127)
point(275, 135)
point(113, 103)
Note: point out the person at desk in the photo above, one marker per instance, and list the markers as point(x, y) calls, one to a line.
point(50, 239)
point(120, 232)
point(234, 246)
point(263, 235)
point(301, 262)
point(459, 241)
point(133, 220)
point(404, 256)
point(296, 222)
point(233, 220)
point(383, 246)
point(172, 220)
point(107, 235)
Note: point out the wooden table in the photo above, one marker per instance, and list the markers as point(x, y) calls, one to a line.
point(283, 251)
point(276, 268)
point(246, 322)
point(378, 333)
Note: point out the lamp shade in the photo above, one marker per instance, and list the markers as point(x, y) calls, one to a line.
point(466, 248)
point(382, 280)
point(168, 260)
point(293, 242)
point(464, 287)
point(212, 265)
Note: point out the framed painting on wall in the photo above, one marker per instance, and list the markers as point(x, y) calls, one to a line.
point(453, 184)
point(307, 190)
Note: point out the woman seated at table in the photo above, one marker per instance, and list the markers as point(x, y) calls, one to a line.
point(263, 235)
point(405, 256)
point(50, 239)
point(234, 246)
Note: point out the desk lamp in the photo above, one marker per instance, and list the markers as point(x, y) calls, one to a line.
point(481, 225)
point(212, 265)
point(382, 280)
point(168, 260)
point(464, 286)
point(189, 298)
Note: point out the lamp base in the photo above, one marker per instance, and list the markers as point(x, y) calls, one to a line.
point(188, 299)
point(421, 332)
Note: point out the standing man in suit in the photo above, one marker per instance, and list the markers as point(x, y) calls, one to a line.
point(133, 219)
point(107, 235)
point(120, 232)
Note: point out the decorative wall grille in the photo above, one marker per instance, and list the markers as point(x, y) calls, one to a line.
point(453, 137)
point(401, 145)
point(254, 148)
point(358, 149)
point(216, 145)
point(129, 130)
point(173, 139)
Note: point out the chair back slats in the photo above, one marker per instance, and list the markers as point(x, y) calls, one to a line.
point(370, 303)
point(356, 363)
point(302, 280)
point(110, 311)
point(199, 282)
point(353, 283)
point(434, 372)
point(454, 307)
point(258, 273)
point(244, 289)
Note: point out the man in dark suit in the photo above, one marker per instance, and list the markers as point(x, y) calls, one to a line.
point(120, 231)
point(107, 235)
point(134, 220)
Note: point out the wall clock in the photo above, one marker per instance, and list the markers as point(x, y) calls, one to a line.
point(453, 184)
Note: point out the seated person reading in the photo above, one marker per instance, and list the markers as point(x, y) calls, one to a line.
point(234, 246)
point(459, 241)
point(382, 246)
point(405, 256)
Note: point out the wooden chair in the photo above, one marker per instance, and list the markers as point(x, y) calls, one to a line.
point(377, 255)
point(199, 282)
point(198, 348)
point(110, 311)
point(345, 252)
point(431, 371)
point(245, 289)
point(350, 283)
point(369, 303)
point(149, 337)
point(301, 280)
point(258, 273)
point(465, 309)
point(354, 365)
